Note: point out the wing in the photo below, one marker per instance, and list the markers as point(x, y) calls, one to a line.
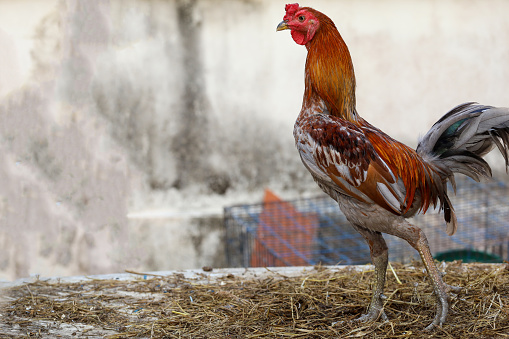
point(364, 163)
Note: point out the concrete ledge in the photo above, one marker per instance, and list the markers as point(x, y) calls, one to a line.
point(199, 275)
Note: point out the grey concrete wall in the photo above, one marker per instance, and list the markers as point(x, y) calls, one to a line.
point(126, 126)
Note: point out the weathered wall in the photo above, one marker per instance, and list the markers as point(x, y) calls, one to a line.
point(123, 122)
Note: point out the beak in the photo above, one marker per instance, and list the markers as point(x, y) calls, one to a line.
point(282, 26)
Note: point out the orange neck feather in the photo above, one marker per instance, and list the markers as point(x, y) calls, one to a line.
point(329, 71)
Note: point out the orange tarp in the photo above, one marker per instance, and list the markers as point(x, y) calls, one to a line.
point(285, 236)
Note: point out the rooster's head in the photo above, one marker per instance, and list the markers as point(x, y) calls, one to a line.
point(302, 22)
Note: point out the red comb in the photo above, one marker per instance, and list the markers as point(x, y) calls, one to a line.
point(290, 9)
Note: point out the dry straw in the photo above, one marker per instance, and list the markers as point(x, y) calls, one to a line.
point(320, 304)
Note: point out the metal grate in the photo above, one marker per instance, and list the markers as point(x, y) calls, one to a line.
point(312, 231)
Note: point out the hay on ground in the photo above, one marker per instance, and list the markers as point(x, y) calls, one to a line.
point(322, 303)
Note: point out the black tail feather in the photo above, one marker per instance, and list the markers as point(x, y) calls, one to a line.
point(457, 142)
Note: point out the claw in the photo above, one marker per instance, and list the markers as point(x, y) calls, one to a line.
point(440, 317)
point(443, 297)
point(372, 316)
point(451, 288)
point(375, 311)
point(430, 327)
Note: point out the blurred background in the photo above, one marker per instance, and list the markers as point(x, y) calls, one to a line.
point(127, 126)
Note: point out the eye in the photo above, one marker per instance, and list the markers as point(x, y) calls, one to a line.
point(301, 18)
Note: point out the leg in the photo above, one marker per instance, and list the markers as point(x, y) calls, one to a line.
point(416, 238)
point(438, 284)
point(380, 258)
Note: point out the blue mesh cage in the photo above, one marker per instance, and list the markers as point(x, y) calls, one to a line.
point(281, 234)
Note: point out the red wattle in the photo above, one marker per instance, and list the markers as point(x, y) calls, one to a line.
point(298, 37)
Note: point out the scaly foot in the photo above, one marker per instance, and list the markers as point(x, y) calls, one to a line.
point(375, 311)
point(451, 288)
point(372, 315)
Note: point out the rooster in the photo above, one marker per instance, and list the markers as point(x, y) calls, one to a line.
point(377, 181)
